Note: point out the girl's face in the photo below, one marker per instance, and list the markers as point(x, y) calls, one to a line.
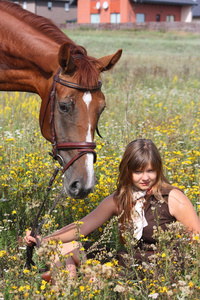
point(144, 179)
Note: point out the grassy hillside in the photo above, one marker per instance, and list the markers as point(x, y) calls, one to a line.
point(153, 92)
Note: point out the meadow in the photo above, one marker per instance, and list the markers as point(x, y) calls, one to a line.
point(153, 92)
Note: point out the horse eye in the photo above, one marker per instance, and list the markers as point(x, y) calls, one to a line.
point(64, 107)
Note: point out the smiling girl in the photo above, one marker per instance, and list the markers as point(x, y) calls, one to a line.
point(144, 199)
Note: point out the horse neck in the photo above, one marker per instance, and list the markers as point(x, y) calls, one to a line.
point(28, 58)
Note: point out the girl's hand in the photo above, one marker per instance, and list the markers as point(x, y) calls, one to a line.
point(29, 240)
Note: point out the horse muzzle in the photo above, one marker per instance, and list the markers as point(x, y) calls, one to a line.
point(79, 181)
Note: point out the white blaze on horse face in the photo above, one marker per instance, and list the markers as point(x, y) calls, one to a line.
point(87, 98)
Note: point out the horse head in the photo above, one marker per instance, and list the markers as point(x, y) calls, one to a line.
point(70, 115)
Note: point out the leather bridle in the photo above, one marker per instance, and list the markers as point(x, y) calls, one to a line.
point(82, 147)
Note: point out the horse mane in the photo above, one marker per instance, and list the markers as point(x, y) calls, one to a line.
point(87, 73)
point(39, 23)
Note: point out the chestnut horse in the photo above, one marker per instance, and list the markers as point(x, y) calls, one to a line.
point(36, 56)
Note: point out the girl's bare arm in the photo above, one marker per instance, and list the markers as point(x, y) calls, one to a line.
point(182, 209)
point(106, 209)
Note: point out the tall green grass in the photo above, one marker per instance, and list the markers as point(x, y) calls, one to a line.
point(153, 92)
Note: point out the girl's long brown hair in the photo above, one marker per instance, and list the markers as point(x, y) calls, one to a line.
point(137, 155)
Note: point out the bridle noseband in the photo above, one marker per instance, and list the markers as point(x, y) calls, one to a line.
point(82, 147)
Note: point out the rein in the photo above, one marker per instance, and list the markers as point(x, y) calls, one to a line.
point(34, 230)
point(82, 148)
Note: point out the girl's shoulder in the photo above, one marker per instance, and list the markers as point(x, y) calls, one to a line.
point(167, 190)
point(177, 201)
point(183, 210)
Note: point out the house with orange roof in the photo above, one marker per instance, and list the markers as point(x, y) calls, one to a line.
point(129, 11)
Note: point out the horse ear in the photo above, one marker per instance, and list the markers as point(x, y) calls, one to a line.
point(65, 59)
point(107, 62)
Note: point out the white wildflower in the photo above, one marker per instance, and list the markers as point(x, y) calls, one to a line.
point(119, 288)
point(153, 296)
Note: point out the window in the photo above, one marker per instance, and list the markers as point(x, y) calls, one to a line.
point(157, 18)
point(49, 5)
point(66, 6)
point(115, 18)
point(170, 18)
point(140, 18)
point(95, 18)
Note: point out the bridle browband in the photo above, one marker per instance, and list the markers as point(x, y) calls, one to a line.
point(82, 147)
point(77, 86)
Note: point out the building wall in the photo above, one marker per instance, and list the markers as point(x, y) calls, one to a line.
point(83, 15)
point(30, 6)
point(186, 14)
point(88, 7)
point(127, 12)
point(151, 10)
point(57, 14)
point(104, 13)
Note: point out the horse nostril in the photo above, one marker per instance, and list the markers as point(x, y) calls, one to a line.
point(75, 187)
